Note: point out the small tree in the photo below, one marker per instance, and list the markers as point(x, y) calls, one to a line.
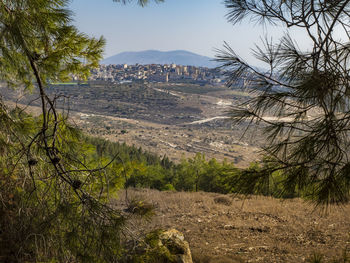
point(306, 92)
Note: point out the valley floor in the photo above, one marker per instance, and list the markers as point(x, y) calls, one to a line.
point(177, 120)
point(226, 228)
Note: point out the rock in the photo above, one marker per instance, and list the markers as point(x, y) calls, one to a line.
point(161, 246)
point(229, 227)
point(175, 242)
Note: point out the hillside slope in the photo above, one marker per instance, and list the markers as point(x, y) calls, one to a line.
point(179, 57)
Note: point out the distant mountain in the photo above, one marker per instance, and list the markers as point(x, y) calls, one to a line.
point(179, 57)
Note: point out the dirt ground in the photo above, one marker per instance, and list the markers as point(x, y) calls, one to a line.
point(226, 228)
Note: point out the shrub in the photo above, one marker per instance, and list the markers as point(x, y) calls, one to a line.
point(224, 200)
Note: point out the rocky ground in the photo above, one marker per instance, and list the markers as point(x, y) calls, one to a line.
point(226, 228)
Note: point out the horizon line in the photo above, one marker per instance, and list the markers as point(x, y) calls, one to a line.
point(157, 50)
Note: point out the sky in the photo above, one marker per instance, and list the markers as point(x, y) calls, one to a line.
point(198, 26)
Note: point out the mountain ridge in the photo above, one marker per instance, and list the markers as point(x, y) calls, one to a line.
point(179, 57)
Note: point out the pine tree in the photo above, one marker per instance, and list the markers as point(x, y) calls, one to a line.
point(54, 198)
point(305, 91)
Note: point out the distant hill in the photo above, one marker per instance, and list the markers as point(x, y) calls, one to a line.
point(179, 57)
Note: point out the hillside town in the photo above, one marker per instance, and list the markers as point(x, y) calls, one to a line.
point(155, 73)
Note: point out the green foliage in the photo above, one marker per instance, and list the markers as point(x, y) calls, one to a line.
point(53, 210)
point(54, 186)
point(304, 94)
point(168, 187)
point(137, 168)
point(38, 33)
point(43, 217)
point(134, 167)
point(126, 153)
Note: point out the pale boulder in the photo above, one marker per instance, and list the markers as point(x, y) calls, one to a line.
point(176, 244)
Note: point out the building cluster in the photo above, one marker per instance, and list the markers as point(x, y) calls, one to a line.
point(155, 73)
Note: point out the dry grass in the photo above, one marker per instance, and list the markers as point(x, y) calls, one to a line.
point(230, 229)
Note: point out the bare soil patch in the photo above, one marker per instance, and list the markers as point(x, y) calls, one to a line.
point(225, 228)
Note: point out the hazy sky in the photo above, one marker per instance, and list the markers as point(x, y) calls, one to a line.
point(199, 26)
